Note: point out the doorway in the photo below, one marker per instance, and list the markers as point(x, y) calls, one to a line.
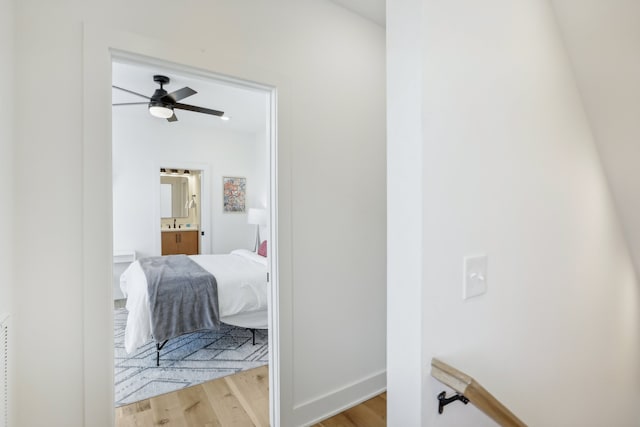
point(237, 148)
point(184, 206)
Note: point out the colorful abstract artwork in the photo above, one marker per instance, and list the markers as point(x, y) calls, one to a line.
point(235, 189)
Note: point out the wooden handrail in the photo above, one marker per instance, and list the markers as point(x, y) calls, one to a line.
point(481, 398)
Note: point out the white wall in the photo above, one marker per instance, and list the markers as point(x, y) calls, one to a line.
point(6, 168)
point(331, 183)
point(6, 159)
point(140, 144)
point(404, 216)
point(510, 169)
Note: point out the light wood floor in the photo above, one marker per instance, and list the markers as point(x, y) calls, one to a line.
point(240, 400)
point(371, 413)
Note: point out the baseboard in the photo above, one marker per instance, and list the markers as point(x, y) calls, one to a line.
point(330, 404)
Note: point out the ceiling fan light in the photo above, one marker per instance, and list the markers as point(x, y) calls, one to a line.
point(160, 111)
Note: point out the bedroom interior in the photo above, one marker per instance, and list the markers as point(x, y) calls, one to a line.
point(204, 180)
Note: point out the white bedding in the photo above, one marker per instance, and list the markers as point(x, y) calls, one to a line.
point(242, 293)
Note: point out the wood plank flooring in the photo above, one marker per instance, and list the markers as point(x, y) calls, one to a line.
point(371, 413)
point(240, 400)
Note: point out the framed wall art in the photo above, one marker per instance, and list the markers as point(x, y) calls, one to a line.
point(234, 194)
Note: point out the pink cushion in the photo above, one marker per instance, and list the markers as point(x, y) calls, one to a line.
point(262, 250)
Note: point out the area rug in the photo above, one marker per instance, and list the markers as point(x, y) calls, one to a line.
point(184, 361)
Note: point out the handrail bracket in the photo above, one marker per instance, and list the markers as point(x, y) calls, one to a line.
point(444, 401)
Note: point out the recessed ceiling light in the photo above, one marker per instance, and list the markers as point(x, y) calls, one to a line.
point(225, 118)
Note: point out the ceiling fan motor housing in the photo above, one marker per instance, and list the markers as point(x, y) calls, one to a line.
point(158, 105)
point(159, 93)
point(156, 99)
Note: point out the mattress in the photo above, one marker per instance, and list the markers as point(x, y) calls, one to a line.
point(242, 293)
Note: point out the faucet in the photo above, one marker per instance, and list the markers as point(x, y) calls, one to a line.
point(174, 223)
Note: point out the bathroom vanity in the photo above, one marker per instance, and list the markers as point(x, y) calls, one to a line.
point(179, 241)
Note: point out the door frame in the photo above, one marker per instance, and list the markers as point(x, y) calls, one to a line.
point(100, 46)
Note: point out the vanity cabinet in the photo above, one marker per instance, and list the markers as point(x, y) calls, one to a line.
point(180, 242)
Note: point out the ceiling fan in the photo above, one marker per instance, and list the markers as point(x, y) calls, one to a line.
point(162, 104)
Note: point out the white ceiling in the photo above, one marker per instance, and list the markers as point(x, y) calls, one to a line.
point(370, 9)
point(246, 107)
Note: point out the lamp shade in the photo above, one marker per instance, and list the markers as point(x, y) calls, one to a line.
point(257, 216)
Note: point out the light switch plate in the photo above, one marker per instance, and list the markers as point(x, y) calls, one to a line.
point(475, 276)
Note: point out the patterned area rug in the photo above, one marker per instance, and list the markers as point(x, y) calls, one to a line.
point(184, 361)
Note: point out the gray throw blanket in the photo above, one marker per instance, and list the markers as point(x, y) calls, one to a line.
point(183, 297)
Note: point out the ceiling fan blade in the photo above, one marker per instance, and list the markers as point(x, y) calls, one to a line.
point(173, 118)
point(180, 94)
point(130, 91)
point(130, 103)
point(198, 109)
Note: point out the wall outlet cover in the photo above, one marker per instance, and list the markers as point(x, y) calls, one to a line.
point(475, 276)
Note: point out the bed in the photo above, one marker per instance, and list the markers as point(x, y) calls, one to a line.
point(241, 278)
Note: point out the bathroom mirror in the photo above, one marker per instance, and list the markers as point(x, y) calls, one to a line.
point(174, 194)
